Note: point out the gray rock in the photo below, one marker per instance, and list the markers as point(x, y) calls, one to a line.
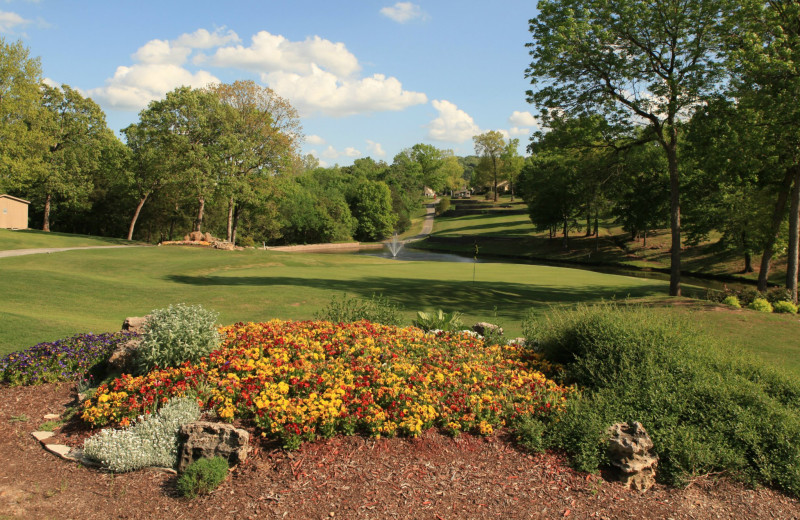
point(204, 439)
point(630, 449)
point(42, 436)
point(483, 328)
point(123, 358)
point(135, 324)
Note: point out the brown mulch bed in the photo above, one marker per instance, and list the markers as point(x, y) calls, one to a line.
point(434, 477)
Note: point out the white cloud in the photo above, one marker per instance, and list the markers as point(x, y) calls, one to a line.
point(132, 88)
point(453, 124)
point(522, 119)
point(515, 130)
point(332, 153)
point(375, 149)
point(9, 21)
point(325, 93)
point(403, 12)
point(161, 52)
point(202, 39)
point(269, 53)
point(315, 140)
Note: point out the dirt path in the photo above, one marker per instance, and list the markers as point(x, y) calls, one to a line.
point(42, 250)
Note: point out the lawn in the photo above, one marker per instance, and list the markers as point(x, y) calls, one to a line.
point(34, 239)
point(46, 297)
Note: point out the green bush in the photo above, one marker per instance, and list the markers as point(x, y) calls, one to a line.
point(707, 409)
point(377, 309)
point(152, 441)
point(202, 476)
point(176, 334)
point(442, 206)
point(784, 307)
point(246, 241)
point(439, 320)
point(778, 294)
point(760, 305)
point(732, 301)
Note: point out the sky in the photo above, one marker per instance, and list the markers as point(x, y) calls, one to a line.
point(368, 77)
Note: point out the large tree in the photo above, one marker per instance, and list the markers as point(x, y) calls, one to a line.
point(262, 138)
point(641, 63)
point(490, 147)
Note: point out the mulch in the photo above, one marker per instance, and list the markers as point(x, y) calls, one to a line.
point(432, 477)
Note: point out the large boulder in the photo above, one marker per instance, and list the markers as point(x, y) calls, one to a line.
point(204, 439)
point(196, 236)
point(483, 328)
point(134, 324)
point(123, 358)
point(633, 463)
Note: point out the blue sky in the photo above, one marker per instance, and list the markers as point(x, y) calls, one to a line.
point(369, 77)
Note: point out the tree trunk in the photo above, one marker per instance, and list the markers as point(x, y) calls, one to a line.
point(589, 223)
point(644, 238)
point(199, 222)
point(674, 219)
point(794, 239)
point(777, 218)
point(566, 230)
point(596, 231)
point(136, 216)
point(46, 224)
point(236, 213)
point(229, 236)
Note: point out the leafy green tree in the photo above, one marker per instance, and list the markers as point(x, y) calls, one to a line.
point(490, 147)
point(633, 61)
point(512, 163)
point(453, 172)
point(75, 131)
point(371, 205)
point(22, 142)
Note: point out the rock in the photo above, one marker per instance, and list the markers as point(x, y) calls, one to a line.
point(516, 341)
point(196, 236)
point(630, 449)
point(204, 439)
point(484, 328)
point(226, 246)
point(187, 238)
point(123, 358)
point(134, 324)
point(51, 417)
point(42, 436)
point(208, 237)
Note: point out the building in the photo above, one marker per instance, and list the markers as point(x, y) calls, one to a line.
point(13, 212)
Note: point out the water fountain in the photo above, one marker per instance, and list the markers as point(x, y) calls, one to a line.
point(394, 245)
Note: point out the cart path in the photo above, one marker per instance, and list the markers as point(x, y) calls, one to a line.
point(41, 250)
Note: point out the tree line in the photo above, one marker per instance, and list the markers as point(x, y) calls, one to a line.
point(224, 159)
point(677, 112)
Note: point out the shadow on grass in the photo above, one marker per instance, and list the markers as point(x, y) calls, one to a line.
point(513, 298)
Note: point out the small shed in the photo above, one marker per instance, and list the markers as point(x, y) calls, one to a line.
point(13, 212)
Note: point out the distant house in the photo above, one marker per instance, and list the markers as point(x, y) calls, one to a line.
point(428, 192)
point(13, 212)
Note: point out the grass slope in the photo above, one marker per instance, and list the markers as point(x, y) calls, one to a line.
point(33, 239)
point(51, 296)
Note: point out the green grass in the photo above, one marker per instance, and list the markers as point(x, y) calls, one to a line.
point(47, 297)
point(33, 239)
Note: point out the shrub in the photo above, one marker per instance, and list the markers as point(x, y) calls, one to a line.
point(63, 360)
point(778, 294)
point(760, 305)
point(176, 334)
point(442, 206)
point(202, 476)
point(707, 409)
point(152, 441)
point(784, 307)
point(732, 301)
point(246, 241)
point(377, 309)
point(439, 320)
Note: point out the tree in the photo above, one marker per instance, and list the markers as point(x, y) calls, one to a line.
point(512, 163)
point(453, 173)
point(261, 139)
point(371, 205)
point(638, 62)
point(22, 144)
point(74, 128)
point(490, 147)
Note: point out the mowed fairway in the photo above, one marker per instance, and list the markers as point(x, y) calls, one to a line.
point(50, 296)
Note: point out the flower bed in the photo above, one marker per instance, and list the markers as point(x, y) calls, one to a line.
point(63, 360)
point(300, 380)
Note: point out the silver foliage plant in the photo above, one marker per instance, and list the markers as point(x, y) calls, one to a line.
point(176, 334)
point(152, 441)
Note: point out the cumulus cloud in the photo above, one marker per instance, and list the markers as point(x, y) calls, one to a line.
point(332, 153)
point(315, 140)
point(325, 93)
point(10, 21)
point(202, 39)
point(272, 52)
point(521, 119)
point(453, 124)
point(375, 149)
point(403, 12)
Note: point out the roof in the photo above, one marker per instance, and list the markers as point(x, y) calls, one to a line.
point(6, 196)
